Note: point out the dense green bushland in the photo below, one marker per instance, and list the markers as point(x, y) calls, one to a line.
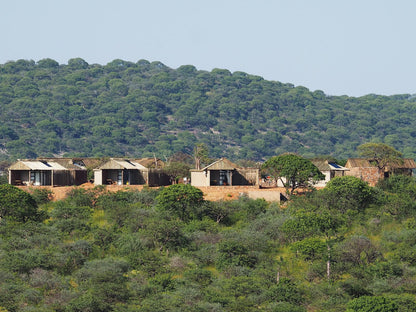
point(137, 109)
point(347, 246)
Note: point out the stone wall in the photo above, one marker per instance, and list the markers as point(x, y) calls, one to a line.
point(371, 175)
point(212, 193)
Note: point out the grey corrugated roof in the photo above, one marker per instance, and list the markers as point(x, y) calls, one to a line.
point(122, 164)
point(42, 165)
point(324, 165)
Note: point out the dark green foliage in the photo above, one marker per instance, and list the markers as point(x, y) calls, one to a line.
point(3, 179)
point(293, 171)
point(80, 197)
point(177, 170)
point(355, 288)
point(126, 208)
point(10, 289)
point(251, 208)
point(229, 212)
point(17, 205)
point(29, 246)
point(372, 304)
point(103, 283)
point(222, 212)
point(285, 307)
point(310, 248)
point(110, 201)
point(384, 269)
point(380, 154)
point(162, 282)
point(125, 108)
point(42, 196)
point(400, 184)
point(72, 256)
point(201, 277)
point(285, 290)
point(401, 195)
point(70, 218)
point(347, 193)
point(102, 251)
point(400, 206)
point(302, 224)
point(166, 234)
point(235, 253)
point(238, 293)
point(180, 200)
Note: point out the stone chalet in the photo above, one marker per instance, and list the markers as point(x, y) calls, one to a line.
point(224, 173)
point(363, 168)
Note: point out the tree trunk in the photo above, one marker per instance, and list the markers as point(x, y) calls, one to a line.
point(328, 263)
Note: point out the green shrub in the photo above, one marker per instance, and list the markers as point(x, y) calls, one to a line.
point(17, 205)
point(347, 193)
point(310, 248)
point(180, 200)
point(42, 196)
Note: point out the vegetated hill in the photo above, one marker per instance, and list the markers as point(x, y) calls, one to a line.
point(140, 109)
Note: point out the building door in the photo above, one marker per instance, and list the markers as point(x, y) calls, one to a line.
point(225, 177)
point(120, 177)
point(37, 178)
point(126, 176)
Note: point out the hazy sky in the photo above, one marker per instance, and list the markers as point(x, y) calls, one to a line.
point(352, 47)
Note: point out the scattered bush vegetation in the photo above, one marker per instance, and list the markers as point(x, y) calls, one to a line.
point(168, 249)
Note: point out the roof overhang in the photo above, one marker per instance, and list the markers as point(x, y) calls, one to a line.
point(37, 165)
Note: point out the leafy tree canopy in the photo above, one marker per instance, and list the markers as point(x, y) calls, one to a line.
point(146, 108)
point(17, 205)
point(181, 200)
point(176, 170)
point(376, 303)
point(380, 154)
point(348, 192)
point(293, 171)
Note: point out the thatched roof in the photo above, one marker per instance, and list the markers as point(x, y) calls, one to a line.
point(221, 164)
point(150, 162)
point(92, 163)
point(404, 163)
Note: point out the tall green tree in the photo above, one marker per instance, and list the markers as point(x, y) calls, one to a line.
point(380, 154)
point(293, 171)
point(200, 154)
point(176, 170)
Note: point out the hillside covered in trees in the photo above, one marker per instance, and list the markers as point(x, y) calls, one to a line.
point(141, 109)
point(347, 247)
